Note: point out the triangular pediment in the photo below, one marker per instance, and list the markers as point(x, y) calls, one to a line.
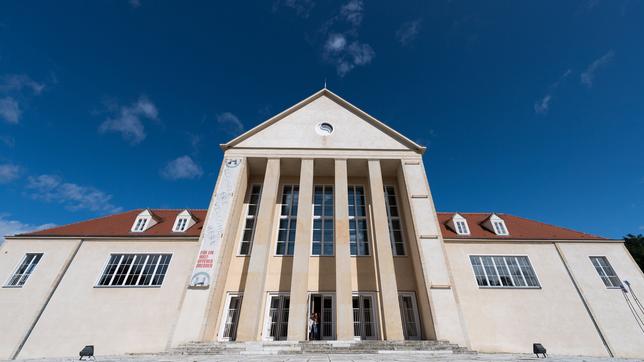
point(299, 127)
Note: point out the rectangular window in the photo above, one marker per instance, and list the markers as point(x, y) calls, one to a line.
point(461, 228)
point(323, 220)
point(358, 238)
point(606, 271)
point(393, 216)
point(135, 270)
point(504, 271)
point(26, 267)
point(499, 228)
point(232, 318)
point(251, 219)
point(288, 220)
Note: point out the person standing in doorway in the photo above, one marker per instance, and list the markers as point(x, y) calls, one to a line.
point(316, 326)
point(310, 325)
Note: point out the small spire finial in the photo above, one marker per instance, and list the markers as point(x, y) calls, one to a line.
point(324, 82)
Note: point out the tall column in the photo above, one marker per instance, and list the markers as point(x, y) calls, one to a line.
point(384, 257)
point(343, 293)
point(254, 291)
point(298, 320)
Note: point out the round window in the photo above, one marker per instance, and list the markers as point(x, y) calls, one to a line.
point(325, 129)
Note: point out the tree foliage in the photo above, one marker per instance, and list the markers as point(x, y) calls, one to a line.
point(635, 244)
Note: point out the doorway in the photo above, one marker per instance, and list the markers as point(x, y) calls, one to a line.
point(324, 306)
point(409, 315)
point(278, 317)
point(228, 330)
point(364, 321)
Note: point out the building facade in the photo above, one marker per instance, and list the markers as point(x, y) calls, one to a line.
point(322, 210)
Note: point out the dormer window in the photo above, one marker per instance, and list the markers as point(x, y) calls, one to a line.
point(459, 225)
point(496, 225)
point(499, 228)
point(143, 221)
point(183, 222)
point(140, 224)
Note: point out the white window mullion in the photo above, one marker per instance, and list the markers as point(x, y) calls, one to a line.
point(118, 264)
point(525, 281)
point(156, 267)
point(487, 278)
point(145, 262)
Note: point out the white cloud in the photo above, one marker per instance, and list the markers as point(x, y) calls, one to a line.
point(343, 49)
point(12, 227)
point(302, 7)
point(588, 76)
point(10, 110)
point(50, 188)
point(128, 120)
point(18, 82)
point(9, 172)
point(542, 106)
point(352, 12)
point(230, 123)
point(408, 31)
point(181, 168)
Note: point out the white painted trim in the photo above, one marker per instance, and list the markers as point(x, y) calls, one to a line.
point(15, 270)
point(266, 330)
point(224, 314)
point(416, 314)
point(107, 260)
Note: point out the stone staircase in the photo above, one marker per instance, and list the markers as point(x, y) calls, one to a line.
point(318, 347)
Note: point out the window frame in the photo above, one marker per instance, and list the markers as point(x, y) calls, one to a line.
point(177, 223)
point(290, 217)
point(367, 197)
point(390, 220)
point(107, 261)
point(498, 275)
point(322, 218)
point(15, 270)
point(135, 226)
point(247, 216)
point(499, 227)
point(608, 278)
point(224, 314)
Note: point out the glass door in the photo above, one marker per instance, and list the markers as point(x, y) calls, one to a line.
point(409, 315)
point(232, 317)
point(364, 325)
point(323, 305)
point(278, 317)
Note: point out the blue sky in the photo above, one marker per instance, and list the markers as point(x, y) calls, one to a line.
point(534, 108)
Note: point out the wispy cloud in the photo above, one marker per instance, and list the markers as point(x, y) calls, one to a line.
point(301, 7)
point(588, 77)
point(542, 106)
point(9, 172)
point(10, 110)
point(19, 82)
point(12, 227)
point(408, 31)
point(342, 47)
point(50, 188)
point(230, 123)
point(135, 3)
point(8, 141)
point(181, 168)
point(128, 120)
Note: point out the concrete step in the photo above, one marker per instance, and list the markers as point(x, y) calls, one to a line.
point(317, 347)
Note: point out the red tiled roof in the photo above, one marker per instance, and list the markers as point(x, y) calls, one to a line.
point(518, 228)
point(119, 225)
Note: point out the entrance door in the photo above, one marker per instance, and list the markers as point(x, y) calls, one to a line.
point(232, 317)
point(409, 315)
point(364, 323)
point(278, 317)
point(323, 305)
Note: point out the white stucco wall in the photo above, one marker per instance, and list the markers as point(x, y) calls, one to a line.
point(608, 306)
point(114, 320)
point(20, 306)
point(510, 320)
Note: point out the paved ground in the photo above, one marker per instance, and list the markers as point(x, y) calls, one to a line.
point(403, 357)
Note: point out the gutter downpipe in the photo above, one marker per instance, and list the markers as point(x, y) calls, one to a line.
point(42, 310)
point(583, 300)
